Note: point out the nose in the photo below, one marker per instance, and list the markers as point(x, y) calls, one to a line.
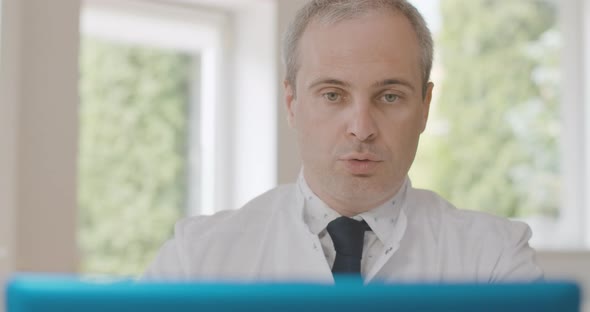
point(362, 124)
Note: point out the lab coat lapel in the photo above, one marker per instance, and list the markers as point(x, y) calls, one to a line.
point(294, 252)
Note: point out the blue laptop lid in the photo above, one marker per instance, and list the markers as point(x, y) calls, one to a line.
point(29, 293)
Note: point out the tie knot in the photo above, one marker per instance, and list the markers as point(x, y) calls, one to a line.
point(348, 236)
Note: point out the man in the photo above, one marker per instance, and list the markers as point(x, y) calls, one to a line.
point(358, 93)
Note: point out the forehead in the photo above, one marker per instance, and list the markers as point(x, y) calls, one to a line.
point(374, 43)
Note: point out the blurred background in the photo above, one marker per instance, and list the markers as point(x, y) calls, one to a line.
point(118, 117)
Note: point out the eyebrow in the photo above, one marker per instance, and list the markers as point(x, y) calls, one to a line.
point(383, 83)
point(329, 81)
point(396, 81)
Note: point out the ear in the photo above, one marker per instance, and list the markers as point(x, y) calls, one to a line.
point(290, 101)
point(426, 105)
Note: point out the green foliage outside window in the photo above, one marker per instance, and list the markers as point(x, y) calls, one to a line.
point(498, 105)
point(132, 162)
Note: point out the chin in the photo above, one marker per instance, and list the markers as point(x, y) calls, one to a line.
point(363, 187)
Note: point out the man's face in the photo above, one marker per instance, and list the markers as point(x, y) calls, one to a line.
point(358, 109)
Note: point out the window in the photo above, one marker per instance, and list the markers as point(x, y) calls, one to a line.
point(148, 100)
point(501, 136)
point(222, 122)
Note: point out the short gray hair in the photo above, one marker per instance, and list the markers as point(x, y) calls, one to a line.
point(332, 11)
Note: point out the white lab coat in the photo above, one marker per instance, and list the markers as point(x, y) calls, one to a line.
point(267, 240)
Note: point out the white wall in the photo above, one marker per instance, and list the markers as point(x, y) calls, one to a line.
point(48, 127)
point(38, 133)
point(9, 75)
point(584, 14)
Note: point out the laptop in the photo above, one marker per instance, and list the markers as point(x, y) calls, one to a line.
point(33, 293)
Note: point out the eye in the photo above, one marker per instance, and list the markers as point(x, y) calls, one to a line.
point(331, 96)
point(390, 98)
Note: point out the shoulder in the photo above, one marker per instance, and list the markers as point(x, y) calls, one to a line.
point(254, 213)
point(203, 245)
point(429, 206)
point(496, 247)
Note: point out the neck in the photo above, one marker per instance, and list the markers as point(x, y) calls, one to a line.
point(350, 206)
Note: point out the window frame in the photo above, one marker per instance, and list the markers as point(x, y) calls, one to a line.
point(584, 11)
point(570, 231)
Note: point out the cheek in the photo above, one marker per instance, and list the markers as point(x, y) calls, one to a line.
point(401, 131)
point(411, 136)
point(312, 117)
point(398, 119)
point(317, 135)
point(317, 132)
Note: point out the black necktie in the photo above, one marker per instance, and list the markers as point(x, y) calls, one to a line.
point(348, 237)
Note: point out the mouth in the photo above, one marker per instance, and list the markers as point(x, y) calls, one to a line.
point(361, 165)
point(361, 157)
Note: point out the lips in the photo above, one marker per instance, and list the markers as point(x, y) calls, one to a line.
point(361, 157)
point(361, 164)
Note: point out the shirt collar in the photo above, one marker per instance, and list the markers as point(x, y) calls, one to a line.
point(382, 219)
point(316, 214)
